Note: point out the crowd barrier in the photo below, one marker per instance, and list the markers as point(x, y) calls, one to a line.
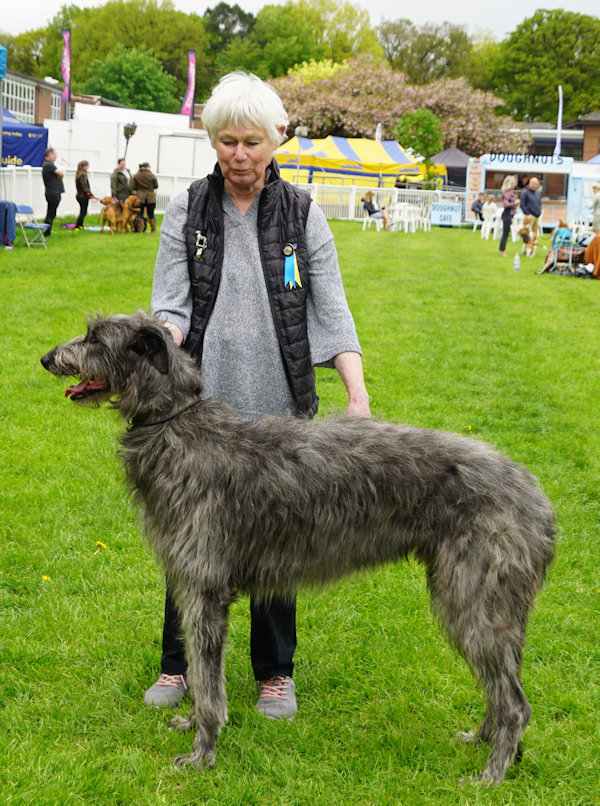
point(24, 185)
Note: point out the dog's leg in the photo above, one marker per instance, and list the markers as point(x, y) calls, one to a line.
point(205, 618)
point(482, 600)
point(485, 732)
point(512, 716)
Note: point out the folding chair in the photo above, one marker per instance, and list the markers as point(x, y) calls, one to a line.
point(31, 229)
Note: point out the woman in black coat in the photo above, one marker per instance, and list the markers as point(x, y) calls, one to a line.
point(83, 193)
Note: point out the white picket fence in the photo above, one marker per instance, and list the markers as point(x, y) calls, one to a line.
point(24, 185)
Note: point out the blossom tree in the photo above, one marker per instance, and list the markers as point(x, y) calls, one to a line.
point(350, 103)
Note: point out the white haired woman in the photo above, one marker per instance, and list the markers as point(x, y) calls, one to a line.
point(509, 206)
point(595, 208)
point(247, 280)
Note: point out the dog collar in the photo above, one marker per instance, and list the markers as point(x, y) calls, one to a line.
point(134, 422)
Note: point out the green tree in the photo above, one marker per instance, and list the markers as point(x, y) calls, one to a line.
point(307, 72)
point(343, 29)
point(551, 48)
point(282, 36)
point(24, 51)
point(224, 23)
point(483, 61)
point(227, 28)
point(427, 53)
point(158, 27)
point(421, 130)
point(133, 77)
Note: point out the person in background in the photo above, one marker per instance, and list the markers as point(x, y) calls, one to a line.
point(247, 280)
point(53, 187)
point(509, 205)
point(372, 210)
point(477, 206)
point(489, 204)
point(120, 182)
point(595, 208)
point(530, 201)
point(144, 186)
point(83, 194)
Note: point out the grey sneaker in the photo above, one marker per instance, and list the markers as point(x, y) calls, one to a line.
point(168, 690)
point(277, 698)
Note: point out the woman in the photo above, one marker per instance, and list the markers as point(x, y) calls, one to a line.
point(509, 206)
point(372, 210)
point(144, 187)
point(595, 207)
point(83, 194)
point(247, 279)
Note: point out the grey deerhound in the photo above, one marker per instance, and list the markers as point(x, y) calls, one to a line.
point(266, 506)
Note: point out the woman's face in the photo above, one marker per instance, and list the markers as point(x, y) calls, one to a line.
point(243, 153)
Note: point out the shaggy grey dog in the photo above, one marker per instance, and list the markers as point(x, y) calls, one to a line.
point(267, 506)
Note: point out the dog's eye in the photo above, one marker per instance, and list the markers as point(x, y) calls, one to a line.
point(92, 338)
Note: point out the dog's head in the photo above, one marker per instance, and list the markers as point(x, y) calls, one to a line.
point(106, 200)
point(525, 234)
point(132, 202)
point(122, 358)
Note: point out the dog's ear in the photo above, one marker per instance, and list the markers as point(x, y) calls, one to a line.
point(147, 342)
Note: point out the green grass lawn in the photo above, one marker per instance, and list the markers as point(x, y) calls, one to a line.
point(454, 339)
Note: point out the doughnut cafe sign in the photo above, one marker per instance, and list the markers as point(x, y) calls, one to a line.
point(522, 163)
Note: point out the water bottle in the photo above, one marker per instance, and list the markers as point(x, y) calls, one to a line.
point(517, 262)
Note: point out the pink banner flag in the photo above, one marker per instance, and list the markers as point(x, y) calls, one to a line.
point(65, 67)
point(187, 107)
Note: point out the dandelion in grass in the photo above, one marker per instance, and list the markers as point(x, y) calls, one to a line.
point(46, 578)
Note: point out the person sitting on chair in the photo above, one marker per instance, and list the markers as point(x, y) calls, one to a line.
point(477, 206)
point(372, 210)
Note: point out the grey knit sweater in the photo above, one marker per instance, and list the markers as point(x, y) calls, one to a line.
point(241, 360)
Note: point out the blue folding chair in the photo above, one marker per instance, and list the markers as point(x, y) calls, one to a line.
point(31, 229)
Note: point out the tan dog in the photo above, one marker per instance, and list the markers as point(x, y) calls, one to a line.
point(529, 240)
point(129, 209)
point(110, 214)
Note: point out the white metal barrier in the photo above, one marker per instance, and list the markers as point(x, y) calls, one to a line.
point(24, 185)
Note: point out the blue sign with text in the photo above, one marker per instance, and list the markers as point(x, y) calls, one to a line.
point(448, 214)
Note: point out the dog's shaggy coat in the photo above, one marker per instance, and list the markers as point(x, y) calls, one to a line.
point(267, 506)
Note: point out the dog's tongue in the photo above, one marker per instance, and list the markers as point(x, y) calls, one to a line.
point(90, 386)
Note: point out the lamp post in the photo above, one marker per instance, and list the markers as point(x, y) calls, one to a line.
point(128, 131)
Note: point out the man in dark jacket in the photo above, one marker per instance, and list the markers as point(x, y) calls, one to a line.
point(54, 187)
point(531, 205)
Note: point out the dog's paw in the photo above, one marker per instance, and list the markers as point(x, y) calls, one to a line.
point(480, 780)
point(180, 723)
point(195, 759)
point(468, 737)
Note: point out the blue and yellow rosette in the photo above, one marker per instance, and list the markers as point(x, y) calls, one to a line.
point(291, 273)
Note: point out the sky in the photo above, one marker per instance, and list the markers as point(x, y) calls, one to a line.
point(499, 18)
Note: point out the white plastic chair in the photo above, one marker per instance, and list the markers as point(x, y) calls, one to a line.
point(516, 225)
point(497, 231)
point(487, 225)
point(31, 229)
point(368, 220)
point(424, 218)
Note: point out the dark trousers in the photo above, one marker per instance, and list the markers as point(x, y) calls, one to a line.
point(83, 202)
point(272, 639)
point(148, 208)
point(506, 222)
point(53, 202)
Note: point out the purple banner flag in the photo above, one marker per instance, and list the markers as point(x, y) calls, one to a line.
point(65, 66)
point(187, 107)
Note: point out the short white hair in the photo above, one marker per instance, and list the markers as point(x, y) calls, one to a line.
point(243, 99)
